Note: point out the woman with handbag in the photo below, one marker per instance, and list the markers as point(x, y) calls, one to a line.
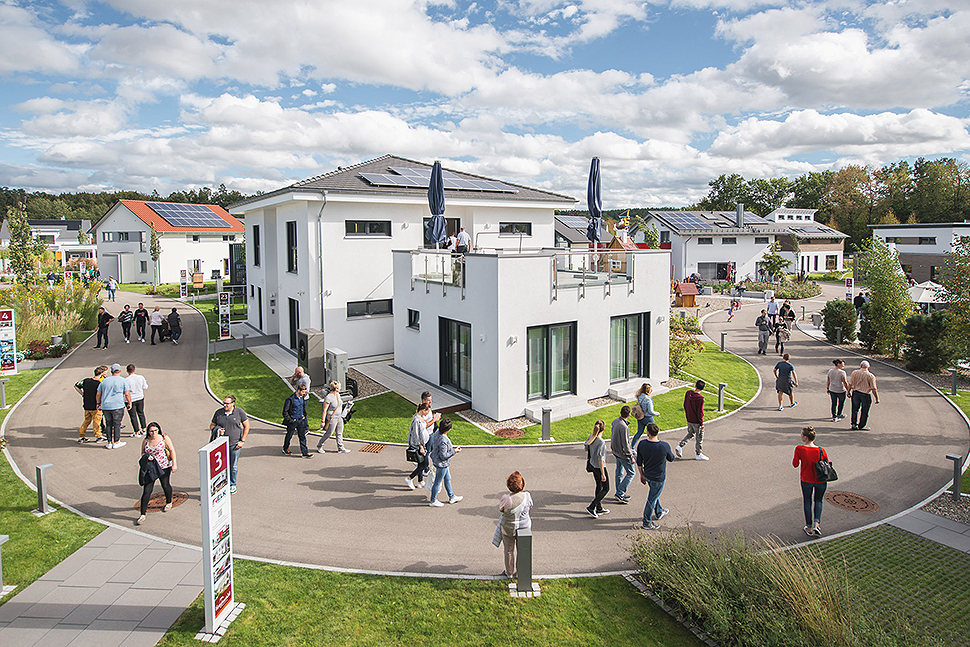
point(417, 451)
point(332, 419)
point(596, 465)
point(813, 490)
point(157, 448)
point(515, 507)
point(647, 414)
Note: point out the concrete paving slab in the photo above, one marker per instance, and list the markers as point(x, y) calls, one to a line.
point(164, 575)
point(107, 537)
point(94, 573)
point(61, 635)
point(26, 632)
point(60, 602)
point(132, 571)
point(949, 538)
point(121, 552)
point(942, 522)
point(182, 554)
point(912, 524)
point(141, 637)
point(104, 633)
point(133, 605)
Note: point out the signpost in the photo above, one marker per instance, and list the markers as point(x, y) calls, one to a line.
point(848, 289)
point(8, 342)
point(217, 576)
point(224, 315)
point(82, 266)
point(184, 284)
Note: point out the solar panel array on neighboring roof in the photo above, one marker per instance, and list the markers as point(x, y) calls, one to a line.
point(574, 222)
point(685, 220)
point(197, 216)
point(420, 178)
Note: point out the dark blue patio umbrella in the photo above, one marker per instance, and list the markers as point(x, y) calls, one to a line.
point(595, 202)
point(435, 231)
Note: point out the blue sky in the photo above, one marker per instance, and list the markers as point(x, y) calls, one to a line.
point(143, 95)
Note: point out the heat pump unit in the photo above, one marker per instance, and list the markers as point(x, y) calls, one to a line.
point(310, 354)
point(337, 366)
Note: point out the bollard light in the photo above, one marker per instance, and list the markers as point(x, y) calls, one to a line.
point(42, 506)
point(723, 335)
point(523, 560)
point(3, 392)
point(244, 351)
point(3, 590)
point(67, 337)
point(838, 336)
point(720, 395)
point(957, 474)
point(953, 382)
point(546, 424)
point(803, 313)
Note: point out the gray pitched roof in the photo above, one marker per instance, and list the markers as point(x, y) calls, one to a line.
point(349, 180)
point(717, 223)
point(573, 228)
point(809, 230)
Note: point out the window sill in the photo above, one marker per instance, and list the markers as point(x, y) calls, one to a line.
point(380, 316)
point(359, 236)
point(414, 328)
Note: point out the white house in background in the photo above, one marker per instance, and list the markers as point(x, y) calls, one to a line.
point(710, 243)
point(60, 236)
point(820, 248)
point(318, 252)
point(516, 332)
point(193, 237)
point(922, 248)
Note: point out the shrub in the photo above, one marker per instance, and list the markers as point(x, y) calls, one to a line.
point(684, 344)
point(58, 350)
point(38, 346)
point(867, 334)
point(43, 311)
point(839, 313)
point(786, 290)
point(928, 342)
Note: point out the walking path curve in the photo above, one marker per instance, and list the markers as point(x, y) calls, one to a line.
point(353, 511)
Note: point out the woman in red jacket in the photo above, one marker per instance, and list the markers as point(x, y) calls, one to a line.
point(813, 490)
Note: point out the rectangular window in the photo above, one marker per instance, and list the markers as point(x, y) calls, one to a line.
point(452, 227)
point(455, 354)
point(927, 240)
point(368, 228)
point(515, 228)
point(729, 241)
point(551, 360)
point(252, 290)
point(226, 239)
point(932, 272)
point(705, 241)
point(45, 239)
point(256, 245)
point(414, 319)
point(144, 267)
point(815, 264)
point(194, 238)
point(664, 237)
point(760, 240)
point(831, 262)
point(908, 269)
point(122, 236)
point(629, 347)
point(892, 239)
point(291, 265)
point(106, 237)
point(369, 308)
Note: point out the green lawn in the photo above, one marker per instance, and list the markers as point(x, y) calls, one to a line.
point(170, 290)
point(963, 401)
point(291, 606)
point(210, 310)
point(36, 544)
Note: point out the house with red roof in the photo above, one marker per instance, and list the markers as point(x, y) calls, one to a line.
point(193, 237)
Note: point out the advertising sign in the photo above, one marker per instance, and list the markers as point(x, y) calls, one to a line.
point(82, 266)
point(223, 315)
point(848, 288)
point(68, 277)
point(216, 532)
point(8, 342)
point(184, 284)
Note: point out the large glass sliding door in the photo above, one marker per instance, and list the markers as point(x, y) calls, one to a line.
point(551, 360)
point(455, 340)
point(629, 347)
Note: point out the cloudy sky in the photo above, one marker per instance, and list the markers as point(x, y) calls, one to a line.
point(143, 94)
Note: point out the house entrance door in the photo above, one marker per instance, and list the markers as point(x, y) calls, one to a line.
point(294, 320)
point(455, 339)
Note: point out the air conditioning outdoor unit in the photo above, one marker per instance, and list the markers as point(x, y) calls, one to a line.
point(337, 366)
point(310, 354)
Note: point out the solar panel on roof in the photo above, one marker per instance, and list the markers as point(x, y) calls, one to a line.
point(419, 177)
point(196, 216)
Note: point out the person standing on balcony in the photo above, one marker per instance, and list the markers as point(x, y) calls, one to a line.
point(463, 243)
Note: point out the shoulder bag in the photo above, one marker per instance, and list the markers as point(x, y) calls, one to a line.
point(589, 460)
point(637, 411)
point(412, 455)
point(824, 470)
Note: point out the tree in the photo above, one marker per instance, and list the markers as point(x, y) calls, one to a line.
point(684, 344)
point(764, 196)
point(890, 304)
point(23, 247)
point(725, 194)
point(850, 200)
point(772, 262)
point(155, 249)
point(928, 346)
point(955, 279)
point(808, 190)
point(839, 313)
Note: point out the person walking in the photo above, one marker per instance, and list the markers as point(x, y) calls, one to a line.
point(786, 312)
point(763, 323)
point(155, 321)
point(735, 305)
point(785, 381)
point(694, 410)
point(112, 285)
point(653, 455)
point(141, 318)
point(88, 388)
point(158, 448)
point(418, 436)
point(332, 419)
point(125, 319)
point(114, 397)
point(233, 422)
point(596, 465)
point(782, 334)
point(862, 385)
point(645, 400)
point(837, 386)
point(813, 490)
point(441, 453)
point(294, 417)
point(622, 454)
point(175, 325)
point(772, 310)
point(430, 418)
point(104, 319)
point(515, 507)
point(137, 385)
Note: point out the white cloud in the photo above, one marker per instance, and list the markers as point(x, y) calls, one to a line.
point(26, 47)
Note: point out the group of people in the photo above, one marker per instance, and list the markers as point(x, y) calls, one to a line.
point(105, 398)
point(429, 445)
point(167, 327)
point(774, 320)
point(297, 423)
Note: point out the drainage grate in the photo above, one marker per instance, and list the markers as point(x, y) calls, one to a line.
point(851, 502)
point(510, 432)
point(157, 502)
point(373, 448)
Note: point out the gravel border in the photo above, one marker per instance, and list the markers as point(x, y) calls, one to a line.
point(944, 506)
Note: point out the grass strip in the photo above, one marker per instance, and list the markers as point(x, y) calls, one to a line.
point(36, 545)
point(963, 401)
point(291, 606)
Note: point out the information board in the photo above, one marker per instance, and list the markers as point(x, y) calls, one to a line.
point(848, 288)
point(184, 284)
point(223, 315)
point(217, 574)
point(8, 342)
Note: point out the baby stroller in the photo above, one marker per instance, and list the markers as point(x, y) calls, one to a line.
point(166, 332)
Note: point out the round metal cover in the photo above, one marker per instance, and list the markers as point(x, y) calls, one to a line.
point(157, 502)
point(851, 502)
point(510, 432)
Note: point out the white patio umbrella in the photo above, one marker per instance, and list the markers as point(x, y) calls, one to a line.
point(927, 292)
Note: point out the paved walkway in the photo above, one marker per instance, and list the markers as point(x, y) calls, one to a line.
point(944, 531)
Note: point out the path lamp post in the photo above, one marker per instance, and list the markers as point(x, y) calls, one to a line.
point(838, 336)
point(957, 473)
point(523, 560)
point(42, 506)
point(546, 424)
point(3, 392)
point(953, 383)
point(720, 395)
point(244, 351)
point(723, 335)
point(803, 313)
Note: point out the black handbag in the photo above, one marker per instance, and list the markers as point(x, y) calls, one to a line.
point(589, 461)
point(824, 470)
point(413, 455)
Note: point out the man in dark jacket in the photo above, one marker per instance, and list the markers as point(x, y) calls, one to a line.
point(103, 320)
point(694, 408)
point(294, 416)
point(141, 317)
point(175, 325)
point(764, 331)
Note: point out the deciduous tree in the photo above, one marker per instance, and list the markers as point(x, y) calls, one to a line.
point(890, 304)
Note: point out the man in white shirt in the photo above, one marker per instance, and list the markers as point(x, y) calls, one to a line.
point(464, 242)
point(772, 311)
point(137, 385)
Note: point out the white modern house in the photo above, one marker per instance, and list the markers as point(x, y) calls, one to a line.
point(193, 237)
point(923, 247)
point(60, 236)
point(820, 248)
point(714, 244)
point(319, 252)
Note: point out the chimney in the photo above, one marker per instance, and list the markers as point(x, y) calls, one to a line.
point(740, 215)
point(621, 234)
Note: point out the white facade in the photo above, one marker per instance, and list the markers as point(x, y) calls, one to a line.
point(935, 238)
point(817, 252)
point(505, 294)
point(59, 236)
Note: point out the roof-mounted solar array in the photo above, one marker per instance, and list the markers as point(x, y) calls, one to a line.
point(420, 178)
point(196, 216)
point(685, 220)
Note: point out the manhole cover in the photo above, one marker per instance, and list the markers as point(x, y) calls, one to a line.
point(373, 448)
point(851, 502)
point(157, 502)
point(510, 432)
